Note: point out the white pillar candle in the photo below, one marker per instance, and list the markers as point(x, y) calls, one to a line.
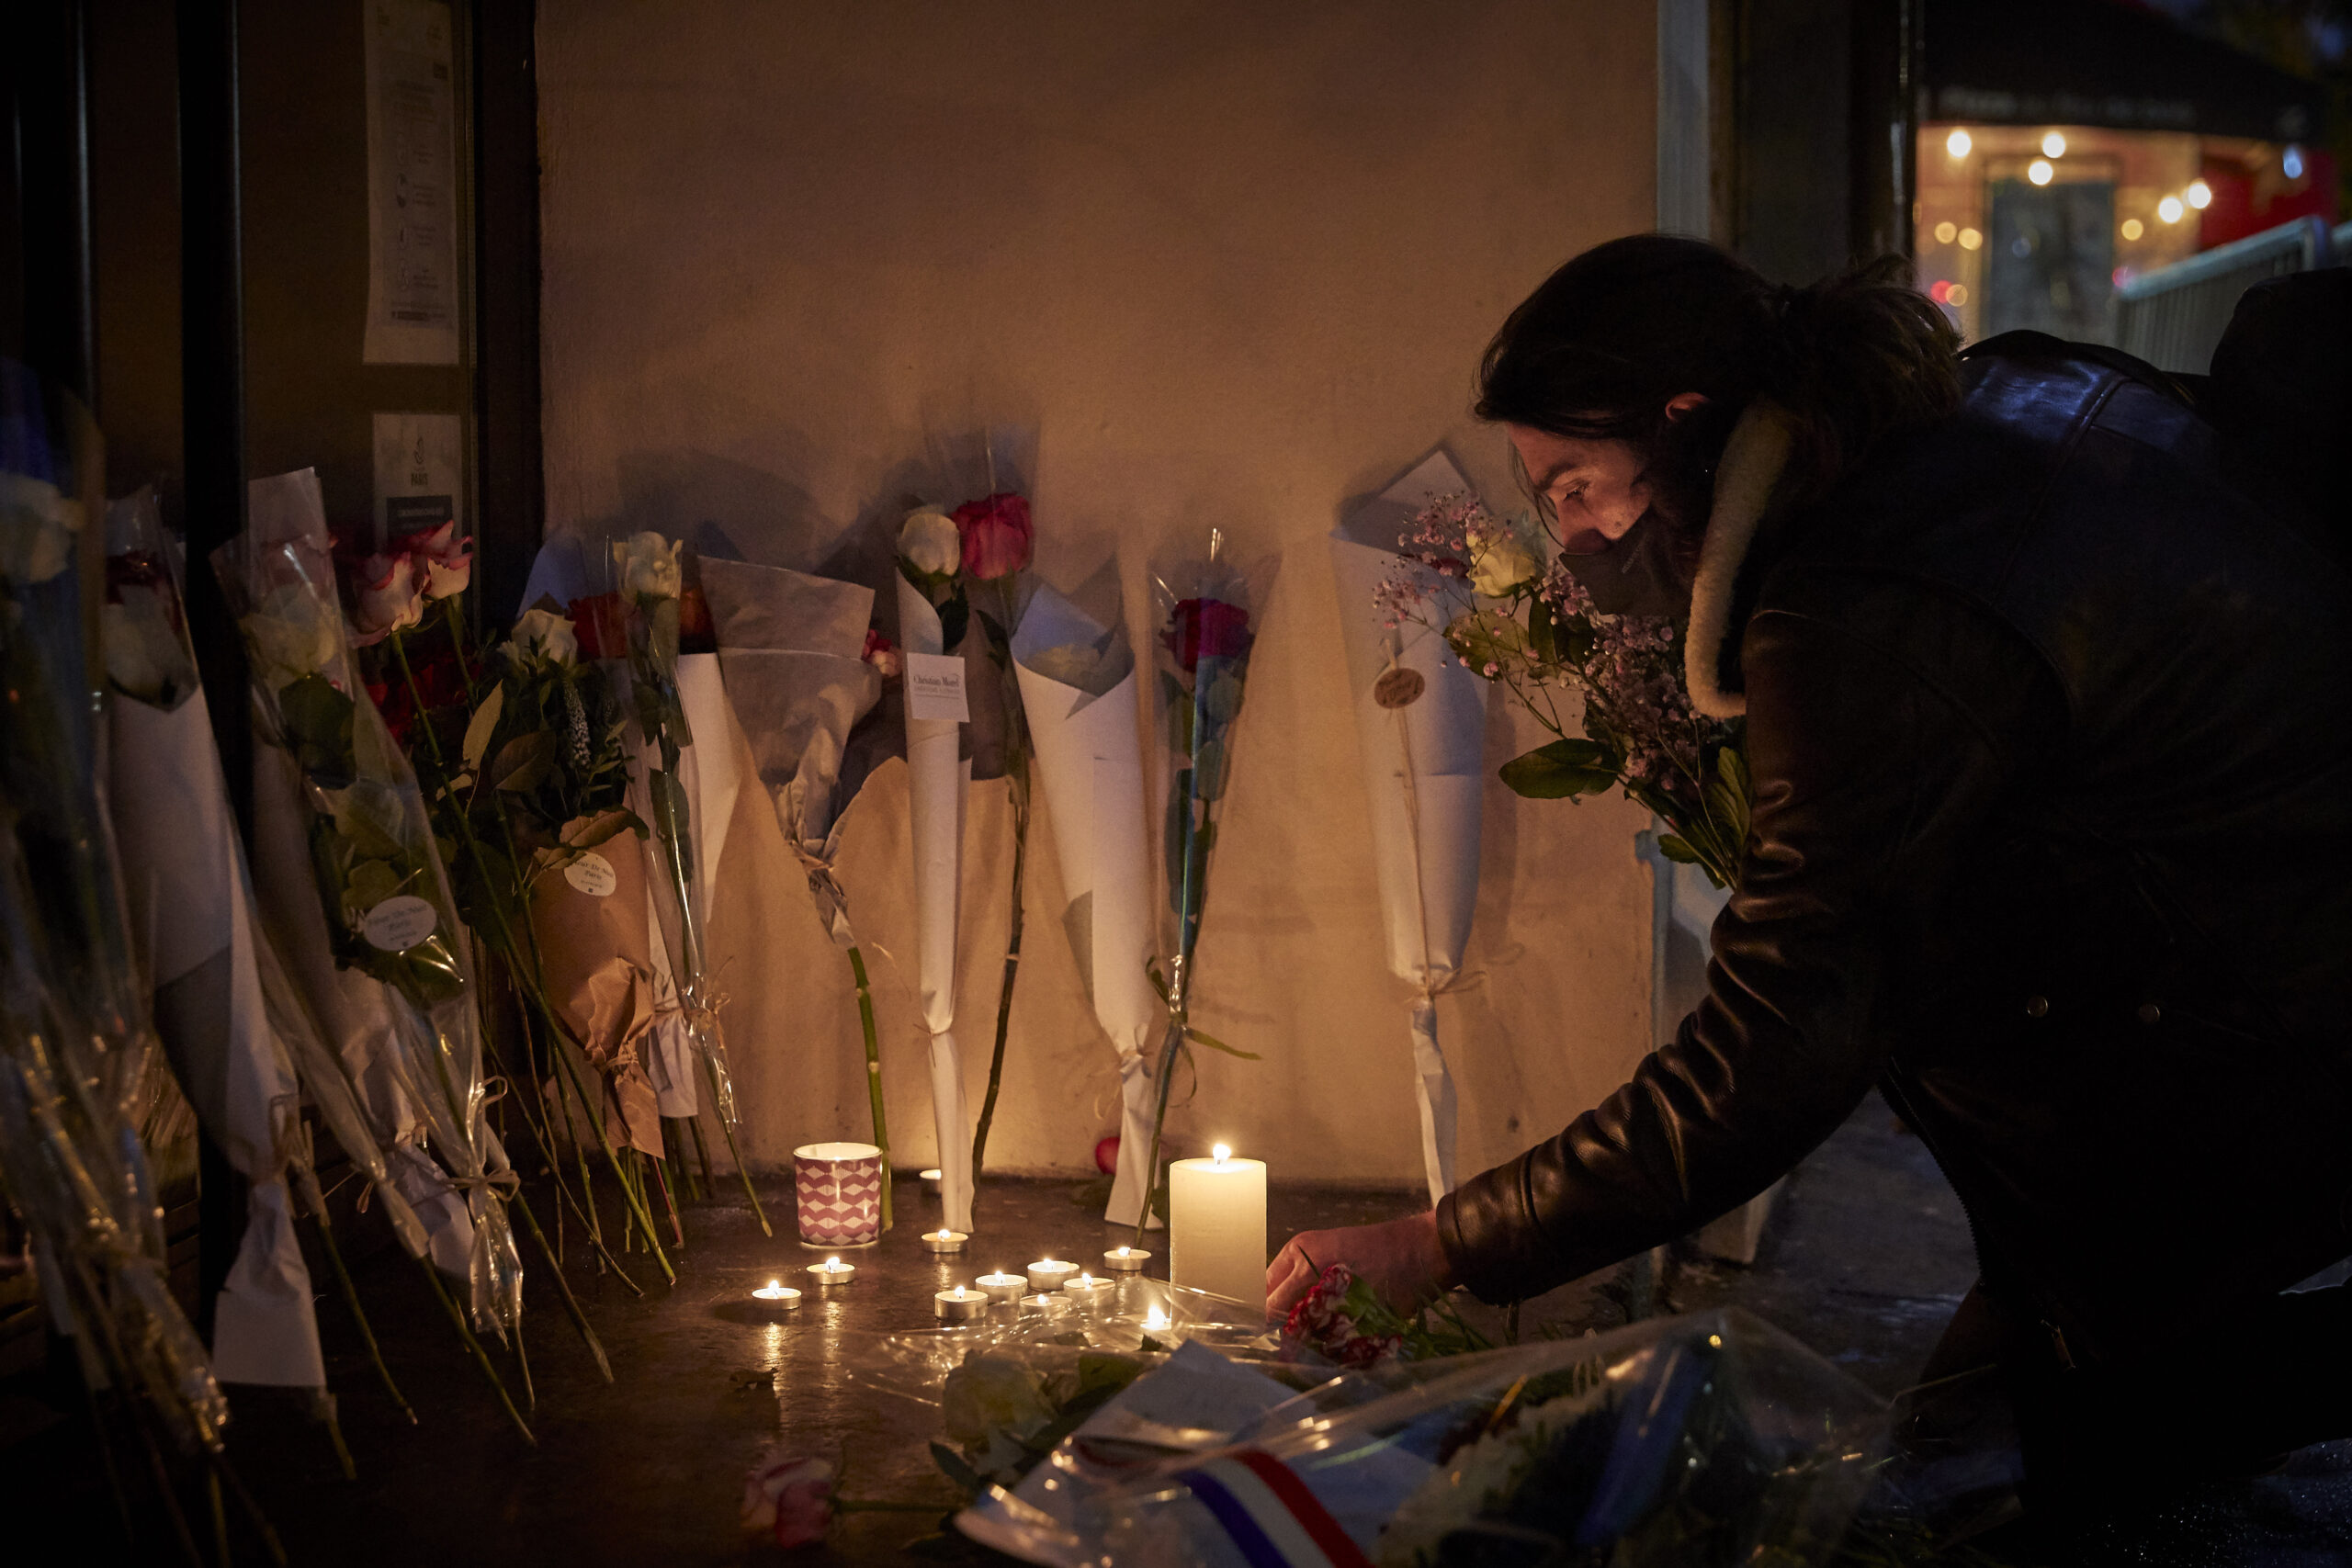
point(1216, 1227)
point(1002, 1287)
point(1047, 1273)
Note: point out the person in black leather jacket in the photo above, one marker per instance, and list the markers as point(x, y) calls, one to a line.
point(2050, 734)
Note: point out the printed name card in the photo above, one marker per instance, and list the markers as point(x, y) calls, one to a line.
point(935, 687)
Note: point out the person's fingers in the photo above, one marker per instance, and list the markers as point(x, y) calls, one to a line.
point(1284, 1293)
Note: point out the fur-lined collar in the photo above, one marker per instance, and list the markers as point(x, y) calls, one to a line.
point(1750, 467)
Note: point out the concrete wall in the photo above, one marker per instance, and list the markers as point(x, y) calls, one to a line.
point(1215, 262)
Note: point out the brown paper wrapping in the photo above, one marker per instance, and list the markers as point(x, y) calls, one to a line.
point(597, 956)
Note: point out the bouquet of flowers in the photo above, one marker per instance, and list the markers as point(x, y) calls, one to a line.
point(383, 898)
point(652, 585)
point(1078, 690)
point(184, 877)
point(1204, 665)
point(802, 669)
point(1687, 1441)
point(1536, 632)
point(76, 1042)
point(1420, 716)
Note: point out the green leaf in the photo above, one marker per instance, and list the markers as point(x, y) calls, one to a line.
point(318, 729)
point(1543, 639)
point(1562, 770)
point(951, 1464)
point(1674, 848)
point(482, 726)
point(1198, 1038)
point(524, 762)
point(954, 619)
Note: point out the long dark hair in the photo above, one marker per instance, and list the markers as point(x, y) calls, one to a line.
point(1609, 338)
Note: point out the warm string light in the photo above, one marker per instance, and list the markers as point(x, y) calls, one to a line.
point(1958, 144)
point(2039, 172)
point(2053, 145)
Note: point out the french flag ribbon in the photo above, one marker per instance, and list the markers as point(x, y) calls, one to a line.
point(1269, 1514)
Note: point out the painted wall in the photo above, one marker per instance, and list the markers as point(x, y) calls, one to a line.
point(1212, 263)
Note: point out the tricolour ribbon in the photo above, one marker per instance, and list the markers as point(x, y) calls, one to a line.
point(1268, 1514)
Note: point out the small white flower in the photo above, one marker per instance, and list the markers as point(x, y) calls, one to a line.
point(649, 566)
point(929, 542)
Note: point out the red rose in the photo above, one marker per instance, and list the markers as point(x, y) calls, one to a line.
point(788, 1498)
point(998, 537)
point(1207, 628)
point(695, 634)
point(600, 625)
point(883, 654)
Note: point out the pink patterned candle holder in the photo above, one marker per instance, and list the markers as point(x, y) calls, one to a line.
point(840, 1191)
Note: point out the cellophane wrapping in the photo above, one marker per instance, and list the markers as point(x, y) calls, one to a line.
point(383, 895)
point(76, 1042)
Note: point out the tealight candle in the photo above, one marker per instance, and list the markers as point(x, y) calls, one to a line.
point(943, 1240)
point(832, 1271)
point(1155, 1319)
point(1003, 1287)
point(931, 1182)
point(1047, 1273)
point(1090, 1290)
point(1126, 1259)
point(775, 1296)
point(1216, 1227)
point(958, 1305)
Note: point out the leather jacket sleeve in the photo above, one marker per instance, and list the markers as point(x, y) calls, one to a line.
point(1881, 731)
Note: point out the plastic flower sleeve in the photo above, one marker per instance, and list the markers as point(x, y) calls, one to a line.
point(1420, 725)
point(383, 895)
point(1712, 1438)
point(184, 876)
point(1207, 607)
point(74, 1039)
point(1078, 685)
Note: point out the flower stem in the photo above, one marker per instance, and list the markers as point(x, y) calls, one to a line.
point(1019, 778)
point(873, 1074)
point(473, 1346)
point(726, 1125)
point(563, 1288)
point(316, 1201)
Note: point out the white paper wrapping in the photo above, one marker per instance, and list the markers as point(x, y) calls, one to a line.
point(1090, 763)
point(937, 781)
point(1423, 777)
point(183, 872)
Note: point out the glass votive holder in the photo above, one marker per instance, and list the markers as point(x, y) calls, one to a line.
point(1047, 1273)
point(958, 1305)
point(1126, 1260)
point(1092, 1291)
point(1006, 1288)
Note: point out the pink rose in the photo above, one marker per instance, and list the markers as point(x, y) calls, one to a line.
point(882, 654)
point(385, 597)
point(998, 537)
point(444, 564)
point(789, 1497)
point(1207, 628)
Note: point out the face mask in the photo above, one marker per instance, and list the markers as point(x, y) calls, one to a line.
point(1634, 575)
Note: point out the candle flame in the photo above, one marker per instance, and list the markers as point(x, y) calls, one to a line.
point(1223, 1151)
point(833, 1262)
point(1156, 1318)
point(775, 1284)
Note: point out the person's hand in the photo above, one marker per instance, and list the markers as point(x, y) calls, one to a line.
point(1400, 1259)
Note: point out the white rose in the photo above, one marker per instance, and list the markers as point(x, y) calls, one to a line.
point(145, 656)
point(929, 542)
point(37, 529)
point(543, 635)
point(1499, 559)
point(649, 566)
point(291, 635)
